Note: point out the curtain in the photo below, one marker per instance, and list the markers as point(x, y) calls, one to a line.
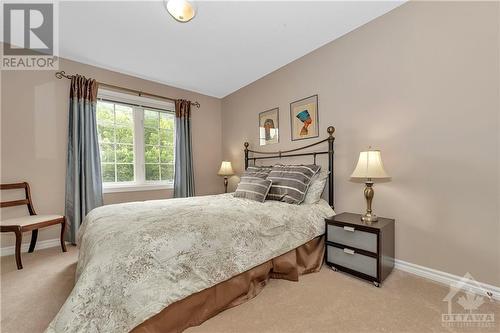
point(83, 173)
point(183, 176)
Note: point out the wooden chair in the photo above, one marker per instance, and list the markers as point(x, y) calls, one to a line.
point(32, 222)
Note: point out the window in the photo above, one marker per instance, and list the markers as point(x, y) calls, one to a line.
point(158, 145)
point(136, 141)
point(115, 125)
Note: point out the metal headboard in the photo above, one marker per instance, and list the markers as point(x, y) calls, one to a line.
point(287, 153)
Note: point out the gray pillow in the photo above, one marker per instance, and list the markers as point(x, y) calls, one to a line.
point(257, 172)
point(316, 187)
point(290, 182)
point(253, 188)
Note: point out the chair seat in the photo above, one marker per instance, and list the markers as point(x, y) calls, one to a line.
point(29, 220)
point(32, 222)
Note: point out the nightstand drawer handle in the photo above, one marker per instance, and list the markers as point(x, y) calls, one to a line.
point(351, 229)
point(348, 251)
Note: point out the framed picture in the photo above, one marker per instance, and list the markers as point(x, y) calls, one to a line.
point(269, 127)
point(304, 118)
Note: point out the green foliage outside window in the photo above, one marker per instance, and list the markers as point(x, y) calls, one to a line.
point(116, 140)
point(158, 148)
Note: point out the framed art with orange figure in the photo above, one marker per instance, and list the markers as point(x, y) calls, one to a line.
point(304, 118)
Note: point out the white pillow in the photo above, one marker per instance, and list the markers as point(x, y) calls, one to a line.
point(316, 187)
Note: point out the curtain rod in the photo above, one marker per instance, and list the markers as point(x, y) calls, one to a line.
point(62, 74)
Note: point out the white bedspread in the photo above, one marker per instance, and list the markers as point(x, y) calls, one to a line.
point(137, 258)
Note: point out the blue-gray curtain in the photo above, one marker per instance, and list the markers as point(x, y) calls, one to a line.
point(184, 175)
point(83, 173)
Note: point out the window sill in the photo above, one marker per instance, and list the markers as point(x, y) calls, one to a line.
point(133, 188)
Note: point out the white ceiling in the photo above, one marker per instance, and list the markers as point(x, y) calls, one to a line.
point(225, 47)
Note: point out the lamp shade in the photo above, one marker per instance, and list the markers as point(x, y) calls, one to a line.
point(370, 166)
point(225, 169)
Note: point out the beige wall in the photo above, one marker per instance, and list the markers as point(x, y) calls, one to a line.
point(422, 84)
point(34, 116)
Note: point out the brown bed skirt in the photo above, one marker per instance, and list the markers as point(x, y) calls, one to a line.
point(197, 308)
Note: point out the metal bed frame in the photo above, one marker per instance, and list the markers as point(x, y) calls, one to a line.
point(292, 153)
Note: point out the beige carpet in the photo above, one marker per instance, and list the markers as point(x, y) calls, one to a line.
point(322, 302)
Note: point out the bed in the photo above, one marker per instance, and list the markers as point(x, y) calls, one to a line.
point(165, 265)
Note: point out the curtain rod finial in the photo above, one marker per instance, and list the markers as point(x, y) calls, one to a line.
point(60, 74)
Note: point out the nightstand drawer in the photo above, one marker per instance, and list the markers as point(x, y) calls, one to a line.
point(351, 237)
point(350, 259)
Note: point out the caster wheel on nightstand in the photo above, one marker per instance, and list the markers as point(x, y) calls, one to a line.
point(376, 284)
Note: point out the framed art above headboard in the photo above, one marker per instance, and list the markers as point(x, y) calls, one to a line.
point(253, 155)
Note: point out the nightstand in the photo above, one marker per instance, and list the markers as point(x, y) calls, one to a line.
point(365, 250)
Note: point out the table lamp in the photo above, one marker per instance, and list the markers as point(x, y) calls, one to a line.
point(225, 170)
point(369, 168)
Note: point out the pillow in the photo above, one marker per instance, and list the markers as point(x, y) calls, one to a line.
point(257, 172)
point(316, 187)
point(290, 182)
point(253, 188)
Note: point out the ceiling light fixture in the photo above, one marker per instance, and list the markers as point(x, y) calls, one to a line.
point(181, 10)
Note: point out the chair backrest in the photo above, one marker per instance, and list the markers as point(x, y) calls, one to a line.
point(27, 201)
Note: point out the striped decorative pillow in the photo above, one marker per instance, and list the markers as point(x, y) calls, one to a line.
point(290, 182)
point(257, 172)
point(253, 188)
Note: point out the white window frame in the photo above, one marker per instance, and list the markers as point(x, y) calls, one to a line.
point(138, 104)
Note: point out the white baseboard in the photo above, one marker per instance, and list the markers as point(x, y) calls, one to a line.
point(449, 279)
point(45, 244)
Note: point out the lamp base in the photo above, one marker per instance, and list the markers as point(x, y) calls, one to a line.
point(369, 218)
